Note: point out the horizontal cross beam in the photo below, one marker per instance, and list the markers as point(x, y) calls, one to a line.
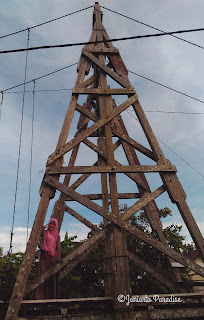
point(108, 169)
point(125, 225)
point(118, 133)
point(98, 196)
point(80, 218)
point(101, 50)
point(103, 91)
point(80, 137)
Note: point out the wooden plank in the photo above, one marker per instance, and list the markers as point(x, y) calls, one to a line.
point(117, 241)
point(132, 176)
point(125, 225)
point(107, 269)
point(134, 143)
point(103, 91)
point(80, 218)
point(77, 259)
point(28, 257)
point(100, 151)
point(92, 38)
point(68, 146)
point(99, 196)
point(119, 134)
point(116, 60)
point(109, 169)
point(90, 243)
point(58, 210)
point(106, 69)
point(142, 202)
point(174, 188)
point(151, 209)
point(71, 108)
point(90, 80)
point(102, 50)
point(40, 216)
point(154, 273)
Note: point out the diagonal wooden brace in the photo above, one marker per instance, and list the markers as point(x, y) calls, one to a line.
point(125, 225)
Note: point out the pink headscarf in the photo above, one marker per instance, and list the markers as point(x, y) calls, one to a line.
point(50, 238)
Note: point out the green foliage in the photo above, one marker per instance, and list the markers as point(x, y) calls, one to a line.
point(86, 279)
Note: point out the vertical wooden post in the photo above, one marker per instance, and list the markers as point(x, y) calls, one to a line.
point(116, 248)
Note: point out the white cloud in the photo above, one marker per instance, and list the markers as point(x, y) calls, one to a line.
point(166, 60)
point(20, 235)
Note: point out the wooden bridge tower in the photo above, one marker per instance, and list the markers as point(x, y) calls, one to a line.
point(101, 118)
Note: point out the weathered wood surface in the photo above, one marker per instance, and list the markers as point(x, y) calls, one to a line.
point(154, 273)
point(103, 91)
point(90, 243)
point(80, 218)
point(120, 134)
point(99, 196)
point(106, 69)
point(68, 146)
point(172, 183)
point(101, 50)
point(126, 226)
point(109, 169)
point(27, 261)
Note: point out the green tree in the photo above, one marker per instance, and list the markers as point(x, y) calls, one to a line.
point(86, 279)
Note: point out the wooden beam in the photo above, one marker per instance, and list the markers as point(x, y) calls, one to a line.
point(102, 50)
point(58, 210)
point(132, 176)
point(153, 272)
point(142, 202)
point(22, 278)
point(98, 196)
point(125, 225)
point(108, 169)
point(90, 243)
point(172, 183)
point(106, 69)
point(120, 134)
point(68, 146)
point(134, 144)
point(89, 81)
point(81, 219)
point(103, 91)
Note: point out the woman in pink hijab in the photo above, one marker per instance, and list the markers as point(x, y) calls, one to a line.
point(49, 255)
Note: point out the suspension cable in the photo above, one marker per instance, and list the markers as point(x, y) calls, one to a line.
point(19, 150)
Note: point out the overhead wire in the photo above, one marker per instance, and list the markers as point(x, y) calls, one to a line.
point(31, 157)
point(149, 26)
point(42, 90)
point(163, 85)
point(176, 112)
point(101, 41)
point(43, 76)
point(43, 23)
point(172, 150)
point(69, 89)
point(19, 149)
point(166, 145)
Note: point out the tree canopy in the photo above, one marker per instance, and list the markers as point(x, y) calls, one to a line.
point(86, 279)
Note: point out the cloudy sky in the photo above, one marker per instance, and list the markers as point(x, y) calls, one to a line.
point(166, 60)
